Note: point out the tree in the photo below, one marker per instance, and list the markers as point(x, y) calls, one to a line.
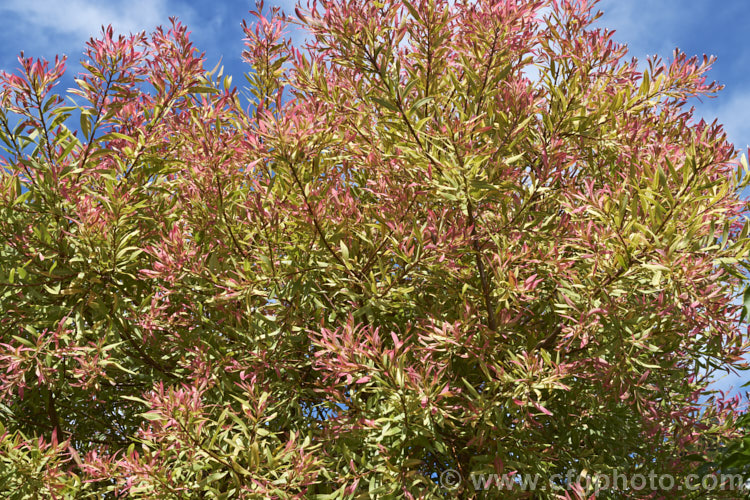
point(441, 237)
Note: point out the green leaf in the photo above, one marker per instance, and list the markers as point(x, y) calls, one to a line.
point(412, 10)
point(203, 90)
point(344, 250)
point(745, 304)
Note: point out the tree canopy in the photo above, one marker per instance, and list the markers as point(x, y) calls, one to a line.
point(467, 237)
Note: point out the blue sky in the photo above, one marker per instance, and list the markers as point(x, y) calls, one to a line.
point(43, 28)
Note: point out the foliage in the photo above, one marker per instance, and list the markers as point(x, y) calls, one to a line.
point(441, 236)
point(732, 456)
point(736, 457)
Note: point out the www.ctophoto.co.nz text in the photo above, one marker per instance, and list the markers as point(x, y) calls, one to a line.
point(590, 482)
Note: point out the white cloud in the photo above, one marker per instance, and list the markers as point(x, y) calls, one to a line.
point(732, 110)
point(81, 19)
point(46, 28)
point(647, 28)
